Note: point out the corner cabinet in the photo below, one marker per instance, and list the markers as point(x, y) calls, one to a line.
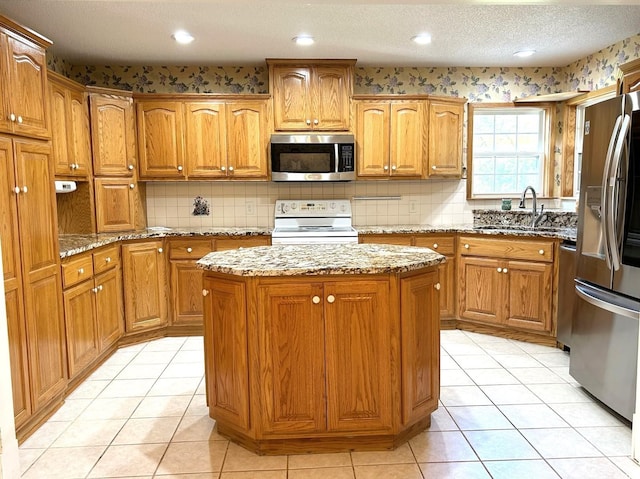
point(311, 96)
point(508, 282)
point(409, 137)
point(202, 137)
point(23, 81)
point(334, 362)
point(70, 128)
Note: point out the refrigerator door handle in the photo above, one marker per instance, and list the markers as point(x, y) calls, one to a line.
point(603, 192)
point(607, 301)
point(613, 193)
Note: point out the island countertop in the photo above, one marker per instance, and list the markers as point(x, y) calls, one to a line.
point(325, 259)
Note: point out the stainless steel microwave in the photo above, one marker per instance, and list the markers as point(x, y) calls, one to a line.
point(312, 157)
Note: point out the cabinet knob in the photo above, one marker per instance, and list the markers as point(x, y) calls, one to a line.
point(19, 119)
point(132, 186)
point(107, 259)
point(179, 168)
point(434, 167)
point(223, 168)
point(315, 122)
point(394, 167)
point(205, 292)
point(466, 246)
point(231, 168)
point(72, 166)
point(308, 122)
point(316, 299)
point(95, 290)
point(189, 250)
point(100, 288)
point(16, 190)
point(159, 250)
point(386, 168)
point(12, 117)
point(435, 245)
point(81, 271)
point(541, 251)
point(331, 298)
point(130, 167)
point(505, 270)
point(24, 189)
point(499, 270)
point(437, 286)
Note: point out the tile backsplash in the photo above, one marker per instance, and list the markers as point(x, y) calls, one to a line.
point(251, 204)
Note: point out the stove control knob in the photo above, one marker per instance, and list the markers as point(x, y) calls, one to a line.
point(285, 207)
point(332, 205)
point(294, 206)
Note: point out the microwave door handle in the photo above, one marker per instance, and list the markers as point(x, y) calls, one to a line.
point(337, 162)
point(603, 191)
point(613, 194)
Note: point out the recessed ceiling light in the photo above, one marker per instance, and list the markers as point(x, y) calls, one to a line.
point(303, 40)
point(422, 39)
point(182, 37)
point(524, 53)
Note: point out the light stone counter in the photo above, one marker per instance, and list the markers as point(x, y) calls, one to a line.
point(291, 260)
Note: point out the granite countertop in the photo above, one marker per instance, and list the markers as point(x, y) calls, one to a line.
point(72, 244)
point(292, 260)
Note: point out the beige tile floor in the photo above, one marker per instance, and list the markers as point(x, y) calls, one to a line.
point(508, 410)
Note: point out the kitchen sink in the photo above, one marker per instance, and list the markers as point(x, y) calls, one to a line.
point(517, 228)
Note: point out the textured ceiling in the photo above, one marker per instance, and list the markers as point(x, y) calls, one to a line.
point(376, 33)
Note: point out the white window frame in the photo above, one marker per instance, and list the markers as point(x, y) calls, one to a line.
point(545, 151)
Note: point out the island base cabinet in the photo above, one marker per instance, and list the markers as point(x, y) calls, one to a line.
point(317, 364)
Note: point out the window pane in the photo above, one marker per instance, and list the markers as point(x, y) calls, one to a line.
point(483, 124)
point(505, 143)
point(484, 165)
point(483, 184)
point(506, 124)
point(529, 165)
point(529, 123)
point(506, 166)
point(528, 142)
point(505, 184)
point(529, 180)
point(482, 143)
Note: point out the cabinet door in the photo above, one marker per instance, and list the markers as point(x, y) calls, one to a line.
point(79, 141)
point(447, 275)
point(420, 346)
point(246, 139)
point(331, 98)
point(115, 204)
point(358, 355)
point(81, 328)
point(160, 137)
point(408, 148)
point(110, 315)
point(529, 295)
point(144, 279)
point(445, 139)
point(481, 287)
point(59, 134)
point(372, 136)
point(18, 352)
point(225, 342)
point(186, 293)
point(205, 139)
point(112, 136)
point(28, 80)
point(9, 213)
point(291, 357)
point(291, 98)
point(5, 86)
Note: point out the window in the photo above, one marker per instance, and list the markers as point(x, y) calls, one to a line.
point(509, 149)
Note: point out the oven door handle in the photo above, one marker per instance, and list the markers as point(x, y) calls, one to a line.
point(609, 302)
point(604, 197)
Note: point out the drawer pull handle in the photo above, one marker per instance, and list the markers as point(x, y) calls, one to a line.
point(499, 270)
point(541, 251)
point(316, 299)
point(107, 259)
point(189, 250)
point(205, 292)
point(466, 245)
point(331, 298)
point(435, 245)
point(505, 270)
point(81, 271)
point(437, 286)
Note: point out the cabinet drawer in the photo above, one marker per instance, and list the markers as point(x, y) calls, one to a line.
point(77, 270)
point(106, 259)
point(511, 249)
point(190, 249)
point(246, 242)
point(396, 239)
point(439, 244)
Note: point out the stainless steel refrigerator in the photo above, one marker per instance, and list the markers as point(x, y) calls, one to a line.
point(604, 347)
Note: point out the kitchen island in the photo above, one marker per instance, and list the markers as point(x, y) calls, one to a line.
point(318, 348)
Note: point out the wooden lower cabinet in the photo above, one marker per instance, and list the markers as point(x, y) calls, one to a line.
point(326, 360)
point(502, 285)
point(18, 354)
point(145, 286)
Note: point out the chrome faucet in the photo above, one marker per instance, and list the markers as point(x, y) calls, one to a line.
point(535, 217)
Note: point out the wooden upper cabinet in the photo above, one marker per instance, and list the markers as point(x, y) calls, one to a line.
point(630, 76)
point(116, 200)
point(160, 139)
point(311, 96)
point(193, 138)
point(113, 135)
point(205, 139)
point(391, 138)
point(70, 127)
point(247, 139)
point(445, 137)
point(23, 104)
